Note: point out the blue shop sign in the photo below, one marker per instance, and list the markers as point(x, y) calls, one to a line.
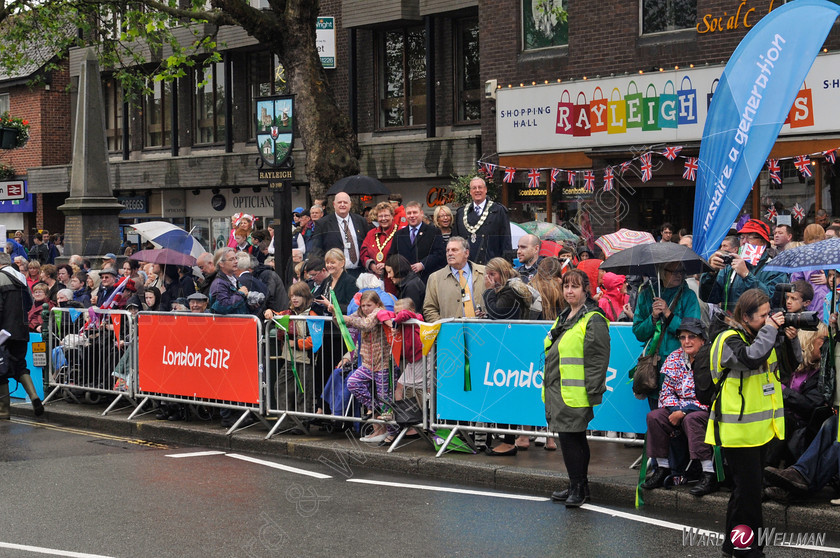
point(134, 204)
point(17, 206)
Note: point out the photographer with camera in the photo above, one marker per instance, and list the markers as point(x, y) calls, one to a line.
point(747, 412)
point(733, 274)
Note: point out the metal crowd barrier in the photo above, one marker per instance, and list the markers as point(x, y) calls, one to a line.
point(91, 353)
point(206, 363)
point(304, 387)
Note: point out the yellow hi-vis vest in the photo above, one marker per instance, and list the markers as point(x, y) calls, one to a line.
point(570, 351)
point(757, 418)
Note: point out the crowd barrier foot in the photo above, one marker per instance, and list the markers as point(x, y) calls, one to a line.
point(395, 445)
point(120, 397)
point(298, 423)
point(49, 397)
point(237, 425)
point(138, 408)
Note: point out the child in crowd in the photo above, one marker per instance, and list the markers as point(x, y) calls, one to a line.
point(413, 381)
point(375, 352)
point(287, 391)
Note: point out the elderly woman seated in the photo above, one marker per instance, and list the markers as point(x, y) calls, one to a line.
point(679, 411)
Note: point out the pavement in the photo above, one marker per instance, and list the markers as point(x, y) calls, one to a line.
point(535, 471)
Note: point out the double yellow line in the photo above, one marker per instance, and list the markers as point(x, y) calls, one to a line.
point(90, 434)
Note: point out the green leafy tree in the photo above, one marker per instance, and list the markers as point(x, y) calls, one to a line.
point(147, 40)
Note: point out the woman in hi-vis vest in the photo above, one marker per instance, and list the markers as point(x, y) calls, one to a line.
point(577, 353)
point(747, 413)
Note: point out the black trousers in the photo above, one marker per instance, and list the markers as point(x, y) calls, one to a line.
point(575, 449)
point(747, 466)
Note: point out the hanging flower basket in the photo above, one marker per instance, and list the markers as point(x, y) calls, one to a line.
point(14, 132)
point(6, 172)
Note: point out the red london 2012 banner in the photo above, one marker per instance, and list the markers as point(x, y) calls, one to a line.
point(205, 356)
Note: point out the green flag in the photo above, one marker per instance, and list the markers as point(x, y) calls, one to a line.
point(283, 323)
point(342, 327)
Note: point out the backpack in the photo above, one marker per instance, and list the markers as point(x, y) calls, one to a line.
point(705, 390)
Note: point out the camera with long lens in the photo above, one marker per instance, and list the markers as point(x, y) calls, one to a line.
point(800, 320)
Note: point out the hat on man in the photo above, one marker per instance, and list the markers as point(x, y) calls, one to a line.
point(758, 227)
point(109, 271)
point(197, 296)
point(693, 325)
point(110, 256)
point(298, 210)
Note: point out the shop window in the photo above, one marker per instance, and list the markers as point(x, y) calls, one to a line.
point(209, 90)
point(113, 95)
point(544, 24)
point(4, 102)
point(668, 15)
point(157, 115)
point(402, 77)
point(468, 75)
point(266, 77)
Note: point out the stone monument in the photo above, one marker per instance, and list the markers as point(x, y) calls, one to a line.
point(91, 212)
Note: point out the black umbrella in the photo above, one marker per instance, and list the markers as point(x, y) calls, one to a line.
point(645, 259)
point(358, 184)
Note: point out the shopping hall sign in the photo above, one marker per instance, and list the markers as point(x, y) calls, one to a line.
point(643, 109)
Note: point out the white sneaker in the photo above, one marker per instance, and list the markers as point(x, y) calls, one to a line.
point(374, 439)
point(835, 502)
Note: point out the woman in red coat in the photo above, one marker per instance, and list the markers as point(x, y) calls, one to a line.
point(377, 243)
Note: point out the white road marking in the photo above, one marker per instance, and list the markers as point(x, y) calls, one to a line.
point(455, 490)
point(54, 552)
point(279, 466)
point(195, 454)
point(680, 527)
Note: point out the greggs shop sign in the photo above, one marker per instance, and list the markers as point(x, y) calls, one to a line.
point(644, 109)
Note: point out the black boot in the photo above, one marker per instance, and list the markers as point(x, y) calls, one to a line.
point(5, 412)
point(657, 479)
point(26, 381)
point(708, 484)
point(560, 496)
point(578, 494)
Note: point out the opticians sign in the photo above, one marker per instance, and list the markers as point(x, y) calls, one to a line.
point(643, 109)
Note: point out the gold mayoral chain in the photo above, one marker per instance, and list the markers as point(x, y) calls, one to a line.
point(380, 256)
point(484, 214)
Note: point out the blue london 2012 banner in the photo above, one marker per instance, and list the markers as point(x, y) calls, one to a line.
point(748, 109)
point(506, 369)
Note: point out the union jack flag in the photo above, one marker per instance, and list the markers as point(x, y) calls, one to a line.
point(671, 153)
point(571, 176)
point(771, 213)
point(830, 155)
point(798, 212)
point(690, 168)
point(488, 169)
point(647, 167)
point(622, 168)
point(608, 179)
point(589, 181)
point(510, 173)
point(555, 176)
point(803, 165)
point(534, 178)
point(775, 171)
point(752, 254)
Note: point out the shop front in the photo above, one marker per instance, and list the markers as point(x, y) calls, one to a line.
point(623, 150)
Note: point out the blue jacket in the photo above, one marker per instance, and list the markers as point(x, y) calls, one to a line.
point(724, 289)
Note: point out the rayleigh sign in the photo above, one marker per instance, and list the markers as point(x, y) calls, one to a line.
point(506, 370)
point(761, 82)
point(644, 109)
point(205, 356)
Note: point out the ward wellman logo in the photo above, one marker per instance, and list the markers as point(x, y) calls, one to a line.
point(743, 537)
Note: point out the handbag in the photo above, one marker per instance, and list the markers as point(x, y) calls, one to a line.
point(646, 372)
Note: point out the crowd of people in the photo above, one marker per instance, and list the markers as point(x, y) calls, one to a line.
point(395, 263)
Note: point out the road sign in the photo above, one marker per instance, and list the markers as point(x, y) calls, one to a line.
point(12, 190)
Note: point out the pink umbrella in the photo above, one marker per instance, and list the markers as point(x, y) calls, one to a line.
point(621, 240)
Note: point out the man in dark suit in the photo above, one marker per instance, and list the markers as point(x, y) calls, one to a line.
point(421, 244)
point(484, 224)
point(342, 230)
